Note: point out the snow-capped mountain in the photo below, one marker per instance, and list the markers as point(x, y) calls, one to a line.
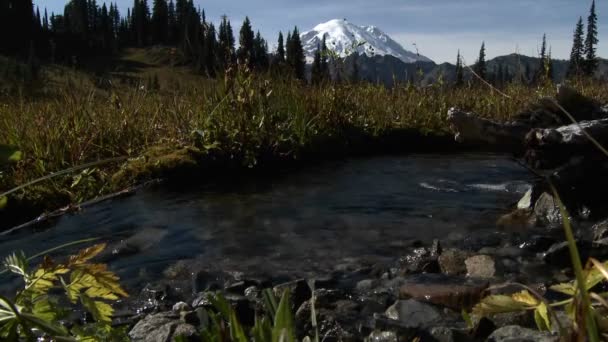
point(341, 36)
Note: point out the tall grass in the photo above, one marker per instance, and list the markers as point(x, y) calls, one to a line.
point(76, 119)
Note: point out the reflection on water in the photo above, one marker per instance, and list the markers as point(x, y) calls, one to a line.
point(302, 222)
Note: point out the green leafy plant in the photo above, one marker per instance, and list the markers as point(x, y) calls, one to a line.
point(35, 312)
point(221, 324)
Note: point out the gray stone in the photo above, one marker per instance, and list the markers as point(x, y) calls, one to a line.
point(181, 306)
point(299, 291)
point(383, 336)
point(366, 285)
point(480, 266)
point(413, 313)
point(526, 201)
point(451, 262)
point(515, 333)
point(155, 328)
point(187, 331)
point(546, 210)
point(442, 334)
point(600, 230)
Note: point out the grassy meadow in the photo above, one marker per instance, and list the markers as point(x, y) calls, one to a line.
point(156, 114)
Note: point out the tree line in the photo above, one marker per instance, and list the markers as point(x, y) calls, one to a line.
point(86, 29)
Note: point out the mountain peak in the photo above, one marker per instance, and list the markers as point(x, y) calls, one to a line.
point(344, 38)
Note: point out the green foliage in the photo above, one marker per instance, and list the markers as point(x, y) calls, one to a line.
point(34, 312)
point(222, 324)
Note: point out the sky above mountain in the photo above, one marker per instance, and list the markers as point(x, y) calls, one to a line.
point(436, 28)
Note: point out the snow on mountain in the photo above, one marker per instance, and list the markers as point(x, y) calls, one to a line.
point(341, 36)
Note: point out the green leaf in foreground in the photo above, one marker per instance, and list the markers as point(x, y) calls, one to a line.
point(3, 202)
point(9, 154)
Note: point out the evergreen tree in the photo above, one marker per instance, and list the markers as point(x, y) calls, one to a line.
point(354, 77)
point(591, 62)
point(459, 70)
point(225, 43)
point(260, 50)
point(295, 54)
point(160, 22)
point(210, 48)
point(245, 53)
point(480, 66)
point(576, 55)
point(172, 28)
point(324, 59)
point(280, 56)
point(315, 73)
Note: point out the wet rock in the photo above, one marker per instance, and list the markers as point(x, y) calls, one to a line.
point(559, 253)
point(181, 306)
point(366, 285)
point(442, 334)
point(203, 281)
point(383, 336)
point(514, 333)
point(517, 220)
point(451, 262)
point(546, 210)
point(480, 266)
point(299, 291)
point(413, 313)
point(155, 328)
point(187, 332)
point(454, 292)
point(421, 259)
point(578, 105)
point(600, 230)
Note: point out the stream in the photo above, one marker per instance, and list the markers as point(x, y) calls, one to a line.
point(292, 223)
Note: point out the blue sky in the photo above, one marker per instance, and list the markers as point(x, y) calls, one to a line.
point(438, 27)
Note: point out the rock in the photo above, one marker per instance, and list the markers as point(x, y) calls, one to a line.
point(600, 230)
point(181, 306)
point(515, 333)
point(480, 266)
point(366, 285)
point(186, 331)
point(299, 291)
point(546, 210)
point(578, 105)
point(413, 313)
point(383, 336)
point(155, 328)
point(517, 220)
point(449, 291)
point(451, 262)
point(421, 259)
point(442, 334)
point(559, 253)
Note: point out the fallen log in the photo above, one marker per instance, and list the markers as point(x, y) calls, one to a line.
point(469, 127)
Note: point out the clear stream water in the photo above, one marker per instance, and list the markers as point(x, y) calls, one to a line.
point(294, 223)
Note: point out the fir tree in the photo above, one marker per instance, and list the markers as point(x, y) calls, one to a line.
point(295, 54)
point(459, 70)
point(480, 66)
point(210, 48)
point(245, 53)
point(172, 28)
point(260, 51)
point(324, 59)
point(576, 55)
point(315, 75)
point(280, 56)
point(591, 63)
point(160, 22)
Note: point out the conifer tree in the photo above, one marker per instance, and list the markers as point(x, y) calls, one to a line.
point(210, 48)
point(459, 70)
point(315, 73)
point(280, 56)
point(172, 29)
point(295, 54)
point(591, 63)
point(160, 22)
point(324, 59)
point(245, 53)
point(575, 67)
point(260, 51)
point(480, 66)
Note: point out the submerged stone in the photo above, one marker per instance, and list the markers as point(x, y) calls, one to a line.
point(454, 292)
